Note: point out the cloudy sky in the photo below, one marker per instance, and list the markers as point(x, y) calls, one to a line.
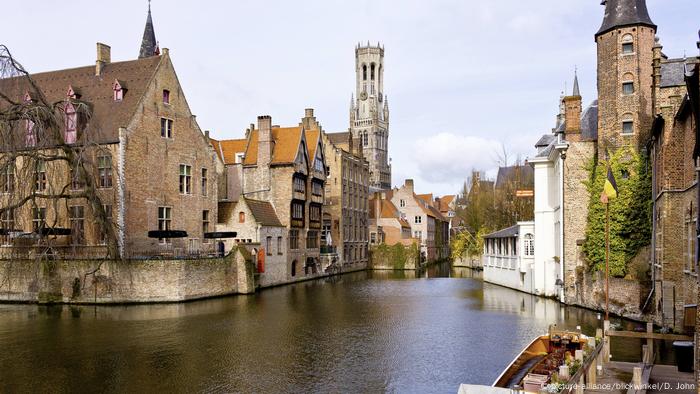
point(464, 77)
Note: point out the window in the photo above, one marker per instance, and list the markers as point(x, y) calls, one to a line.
point(76, 183)
point(7, 223)
point(364, 72)
point(7, 177)
point(312, 240)
point(240, 157)
point(294, 268)
point(372, 71)
point(402, 203)
point(627, 127)
point(293, 240)
point(40, 176)
point(38, 219)
point(417, 234)
point(103, 230)
point(185, 179)
point(268, 246)
point(76, 216)
point(166, 128)
point(691, 238)
point(297, 210)
point(625, 174)
point(104, 171)
point(365, 139)
point(279, 246)
point(164, 221)
point(418, 219)
point(299, 185)
point(315, 213)
point(627, 87)
point(30, 136)
point(317, 188)
point(373, 238)
point(118, 91)
point(318, 164)
point(241, 217)
point(205, 222)
point(71, 132)
point(627, 44)
point(205, 181)
point(166, 96)
point(529, 245)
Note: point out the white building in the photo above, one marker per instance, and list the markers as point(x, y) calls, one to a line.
point(510, 260)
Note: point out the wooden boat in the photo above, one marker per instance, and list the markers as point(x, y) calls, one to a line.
point(533, 368)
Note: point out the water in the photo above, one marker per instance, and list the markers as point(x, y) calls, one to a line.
point(364, 332)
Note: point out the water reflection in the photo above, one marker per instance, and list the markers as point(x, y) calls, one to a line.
point(365, 332)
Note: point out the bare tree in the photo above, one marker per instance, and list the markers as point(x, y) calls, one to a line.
point(49, 163)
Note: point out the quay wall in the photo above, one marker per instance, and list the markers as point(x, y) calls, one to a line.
point(395, 257)
point(125, 281)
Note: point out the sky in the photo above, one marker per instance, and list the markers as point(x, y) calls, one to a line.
point(466, 79)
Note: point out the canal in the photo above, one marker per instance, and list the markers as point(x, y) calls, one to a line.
point(362, 332)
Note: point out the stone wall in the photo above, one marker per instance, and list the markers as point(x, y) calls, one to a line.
point(396, 257)
point(127, 281)
point(626, 295)
point(474, 262)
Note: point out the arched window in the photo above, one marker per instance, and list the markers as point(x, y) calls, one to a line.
point(372, 71)
point(364, 72)
point(365, 139)
point(628, 83)
point(529, 245)
point(627, 44)
point(241, 217)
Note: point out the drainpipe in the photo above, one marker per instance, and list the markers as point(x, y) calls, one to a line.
point(562, 258)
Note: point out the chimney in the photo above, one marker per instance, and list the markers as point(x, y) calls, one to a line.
point(409, 184)
point(206, 134)
point(309, 113)
point(104, 57)
point(572, 114)
point(265, 142)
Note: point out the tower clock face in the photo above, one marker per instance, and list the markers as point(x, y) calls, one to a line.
point(363, 96)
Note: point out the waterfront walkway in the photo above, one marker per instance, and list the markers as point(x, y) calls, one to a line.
point(617, 376)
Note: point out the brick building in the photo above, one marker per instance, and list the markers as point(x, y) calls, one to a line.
point(151, 165)
point(347, 190)
point(674, 188)
point(387, 224)
point(284, 169)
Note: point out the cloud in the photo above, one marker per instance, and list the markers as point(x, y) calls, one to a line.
point(445, 157)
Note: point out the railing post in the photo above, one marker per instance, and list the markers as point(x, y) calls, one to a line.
point(606, 342)
point(637, 378)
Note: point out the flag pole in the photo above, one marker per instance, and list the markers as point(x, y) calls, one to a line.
point(607, 259)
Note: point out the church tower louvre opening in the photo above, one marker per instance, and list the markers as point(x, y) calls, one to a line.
point(369, 114)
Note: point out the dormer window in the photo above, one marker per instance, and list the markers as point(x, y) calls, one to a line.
point(166, 96)
point(71, 123)
point(73, 93)
point(119, 90)
point(30, 134)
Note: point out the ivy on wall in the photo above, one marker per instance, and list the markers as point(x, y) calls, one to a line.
point(630, 212)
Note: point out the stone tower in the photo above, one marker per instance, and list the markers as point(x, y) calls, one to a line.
point(369, 114)
point(625, 41)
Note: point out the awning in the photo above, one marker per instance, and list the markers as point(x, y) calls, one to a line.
point(220, 234)
point(167, 234)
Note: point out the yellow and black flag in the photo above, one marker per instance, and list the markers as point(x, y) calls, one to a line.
point(609, 189)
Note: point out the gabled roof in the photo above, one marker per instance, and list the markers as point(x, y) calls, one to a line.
point(673, 72)
point(285, 148)
point(524, 175)
point(545, 140)
point(387, 210)
point(227, 149)
point(428, 198)
point(97, 91)
point(263, 212)
point(339, 138)
point(445, 202)
point(312, 137)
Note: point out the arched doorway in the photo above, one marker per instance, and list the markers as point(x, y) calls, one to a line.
point(294, 268)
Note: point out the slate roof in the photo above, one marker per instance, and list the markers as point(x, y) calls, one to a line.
point(264, 213)
point(589, 122)
point(545, 140)
point(524, 174)
point(620, 13)
point(97, 91)
point(546, 151)
point(673, 73)
point(149, 45)
point(509, 232)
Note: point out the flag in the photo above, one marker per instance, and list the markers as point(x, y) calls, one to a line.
point(609, 189)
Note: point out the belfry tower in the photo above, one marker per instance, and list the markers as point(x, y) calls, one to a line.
point(625, 41)
point(369, 114)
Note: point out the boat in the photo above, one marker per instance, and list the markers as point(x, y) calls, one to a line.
point(539, 364)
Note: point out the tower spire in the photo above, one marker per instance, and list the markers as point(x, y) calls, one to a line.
point(577, 91)
point(149, 45)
